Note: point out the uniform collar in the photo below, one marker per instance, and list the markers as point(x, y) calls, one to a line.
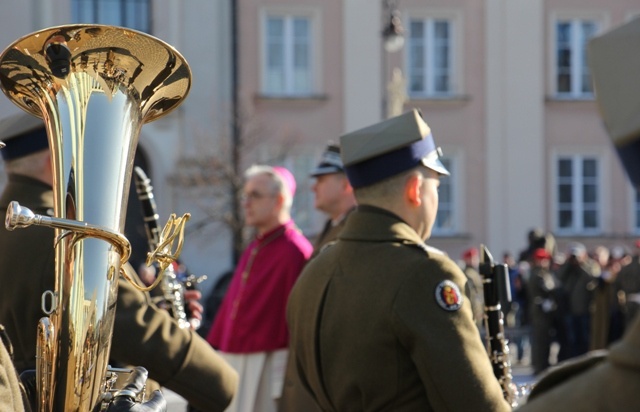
point(374, 224)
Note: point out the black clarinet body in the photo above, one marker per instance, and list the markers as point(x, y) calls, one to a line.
point(495, 279)
point(149, 208)
point(172, 287)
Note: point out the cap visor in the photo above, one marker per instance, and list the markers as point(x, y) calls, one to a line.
point(319, 171)
point(436, 165)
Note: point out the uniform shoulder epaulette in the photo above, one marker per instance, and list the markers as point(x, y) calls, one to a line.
point(431, 251)
point(327, 245)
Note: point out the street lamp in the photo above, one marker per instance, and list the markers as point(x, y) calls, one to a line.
point(393, 33)
point(392, 41)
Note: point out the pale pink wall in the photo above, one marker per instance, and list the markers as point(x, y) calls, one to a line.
point(315, 120)
point(460, 123)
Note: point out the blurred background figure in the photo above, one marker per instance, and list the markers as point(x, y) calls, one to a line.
point(607, 324)
point(578, 276)
point(473, 287)
point(250, 329)
point(333, 195)
point(516, 312)
point(542, 297)
point(628, 286)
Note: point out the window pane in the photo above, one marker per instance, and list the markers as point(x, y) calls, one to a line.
point(589, 168)
point(565, 218)
point(565, 167)
point(589, 193)
point(128, 13)
point(590, 219)
point(565, 193)
point(416, 50)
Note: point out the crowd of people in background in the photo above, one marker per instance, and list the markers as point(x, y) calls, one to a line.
point(565, 303)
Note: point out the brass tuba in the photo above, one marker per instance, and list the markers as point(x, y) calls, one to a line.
point(94, 86)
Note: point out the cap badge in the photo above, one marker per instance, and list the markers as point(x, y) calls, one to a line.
point(448, 296)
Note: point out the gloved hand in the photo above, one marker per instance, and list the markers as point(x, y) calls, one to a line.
point(28, 381)
point(124, 400)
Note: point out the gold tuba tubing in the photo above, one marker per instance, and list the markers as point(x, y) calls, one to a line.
point(94, 86)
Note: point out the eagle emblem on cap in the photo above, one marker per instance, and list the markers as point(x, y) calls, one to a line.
point(448, 296)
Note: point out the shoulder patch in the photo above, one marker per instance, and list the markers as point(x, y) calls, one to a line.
point(448, 296)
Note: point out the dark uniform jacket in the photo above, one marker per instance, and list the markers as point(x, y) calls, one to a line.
point(369, 333)
point(594, 382)
point(143, 334)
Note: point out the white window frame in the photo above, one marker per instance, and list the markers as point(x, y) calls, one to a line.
point(429, 16)
point(315, 46)
point(602, 207)
point(456, 182)
point(601, 21)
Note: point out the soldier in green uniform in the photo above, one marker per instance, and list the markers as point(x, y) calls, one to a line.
point(377, 319)
point(144, 335)
point(333, 196)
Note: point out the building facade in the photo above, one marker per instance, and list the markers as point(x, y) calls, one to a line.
point(504, 85)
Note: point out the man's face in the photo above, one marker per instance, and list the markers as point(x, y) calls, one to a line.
point(429, 191)
point(328, 190)
point(260, 201)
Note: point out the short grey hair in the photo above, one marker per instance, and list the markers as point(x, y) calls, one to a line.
point(278, 184)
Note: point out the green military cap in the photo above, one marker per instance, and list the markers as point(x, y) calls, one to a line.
point(388, 148)
point(614, 58)
point(23, 134)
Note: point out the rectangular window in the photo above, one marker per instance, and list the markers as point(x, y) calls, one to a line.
point(578, 194)
point(445, 219)
point(430, 57)
point(134, 14)
point(288, 55)
point(637, 211)
point(573, 78)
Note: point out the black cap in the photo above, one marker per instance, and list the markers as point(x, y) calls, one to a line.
point(23, 134)
point(330, 162)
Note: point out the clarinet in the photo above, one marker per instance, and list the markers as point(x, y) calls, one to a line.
point(172, 287)
point(495, 279)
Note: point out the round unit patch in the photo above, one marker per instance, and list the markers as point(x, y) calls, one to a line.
point(448, 295)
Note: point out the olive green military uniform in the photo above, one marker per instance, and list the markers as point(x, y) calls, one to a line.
point(11, 396)
point(628, 281)
point(329, 233)
point(143, 335)
point(294, 398)
point(593, 383)
point(372, 329)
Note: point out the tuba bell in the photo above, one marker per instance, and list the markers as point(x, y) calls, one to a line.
point(94, 86)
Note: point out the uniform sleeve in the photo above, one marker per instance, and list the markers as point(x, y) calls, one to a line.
point(11, 397)
point(445, 344)
point(179, 359)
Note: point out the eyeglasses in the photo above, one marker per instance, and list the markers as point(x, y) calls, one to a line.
point(253, 196)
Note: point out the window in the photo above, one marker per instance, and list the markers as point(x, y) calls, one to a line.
point(637, 211)
point(430, 57)
point(445, 219)
point(288, 55)
point(573, 78)
point(134, 14)
point(578, 194)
